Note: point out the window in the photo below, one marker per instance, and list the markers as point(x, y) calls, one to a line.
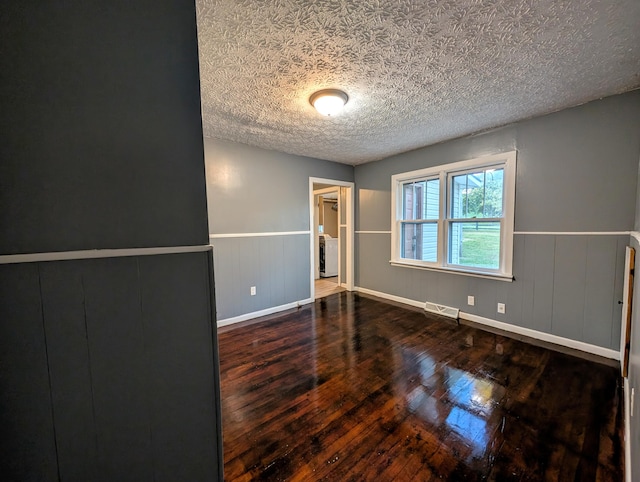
point(456, 217)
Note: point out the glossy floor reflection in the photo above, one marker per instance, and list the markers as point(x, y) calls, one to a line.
point(352, 388)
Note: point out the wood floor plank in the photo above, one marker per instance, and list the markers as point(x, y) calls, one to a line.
point(353, 388)
point(327, 286)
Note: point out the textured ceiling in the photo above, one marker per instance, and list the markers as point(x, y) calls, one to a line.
point(416, 72)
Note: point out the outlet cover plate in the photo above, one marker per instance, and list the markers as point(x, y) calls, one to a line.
point(501, 308)
point(471, 300)
point(253, 291)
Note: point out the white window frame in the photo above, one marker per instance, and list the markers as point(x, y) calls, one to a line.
point(444, 173)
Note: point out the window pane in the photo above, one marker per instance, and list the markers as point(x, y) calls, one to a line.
point(420, 200)
point(419, 241)
point(475, 244)
point(477, 194)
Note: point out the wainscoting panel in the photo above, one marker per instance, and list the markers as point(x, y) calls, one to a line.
point(569, 285)
point(64, 307)
point(179, 387)
point(113, 369)
point(278, 266)
point(27, 445)
point(565, 285)
point(599, 292)
point(538, 280)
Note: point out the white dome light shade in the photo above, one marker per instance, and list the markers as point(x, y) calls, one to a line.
point(329, 101)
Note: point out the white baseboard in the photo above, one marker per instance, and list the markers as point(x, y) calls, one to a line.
point(627, 431)
point(538, 335)
point(386, 296)
point(266, 311)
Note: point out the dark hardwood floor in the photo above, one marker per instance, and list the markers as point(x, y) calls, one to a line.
point(352, 388)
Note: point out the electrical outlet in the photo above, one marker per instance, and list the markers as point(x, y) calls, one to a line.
point(253, 291)
point(501, 308)
point(471, 300)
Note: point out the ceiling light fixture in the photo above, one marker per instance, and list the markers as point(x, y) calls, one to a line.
point(328, 101)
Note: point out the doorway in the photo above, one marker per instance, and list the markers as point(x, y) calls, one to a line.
point(331, 207)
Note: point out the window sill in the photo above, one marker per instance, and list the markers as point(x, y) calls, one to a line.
point(475, 274)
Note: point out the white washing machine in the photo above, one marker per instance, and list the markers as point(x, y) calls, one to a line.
point(328, 256)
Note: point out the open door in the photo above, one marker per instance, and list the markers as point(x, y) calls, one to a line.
point(627, 305)
point(338, 197)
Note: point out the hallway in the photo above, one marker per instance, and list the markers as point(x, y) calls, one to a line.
point(327, 286)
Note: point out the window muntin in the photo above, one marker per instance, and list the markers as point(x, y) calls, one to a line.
point(419, 225)
point(420, 241)
point(477, 194)
point(475, 244)
point(421, 200)
point(456, 217)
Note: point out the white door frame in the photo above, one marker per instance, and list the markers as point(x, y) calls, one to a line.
point(316, 239)
point(350, 221)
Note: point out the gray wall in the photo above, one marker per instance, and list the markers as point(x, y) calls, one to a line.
point(108, 368)
point(252, 190)
point(577, 171)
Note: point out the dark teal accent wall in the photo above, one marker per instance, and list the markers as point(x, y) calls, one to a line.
point(108, 367)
